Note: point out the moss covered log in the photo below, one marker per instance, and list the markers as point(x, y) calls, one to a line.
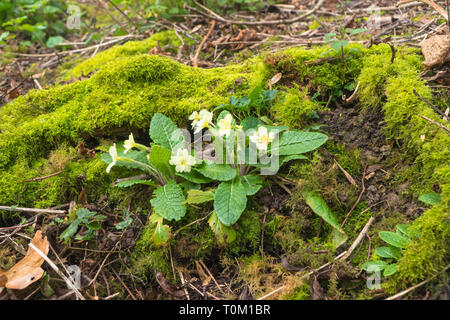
point(40, 132)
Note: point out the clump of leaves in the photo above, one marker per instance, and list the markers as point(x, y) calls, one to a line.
point(224, 172)
point(396, 241)
point(84, 226)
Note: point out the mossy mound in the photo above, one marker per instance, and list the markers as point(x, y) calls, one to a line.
point(40, 131)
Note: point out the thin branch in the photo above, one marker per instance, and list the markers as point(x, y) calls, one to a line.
point(33, 210)
point(197, 52)
point(43, 178)
point(435, 123)
point(428, 103)
point(401, 294)
point(56, 269)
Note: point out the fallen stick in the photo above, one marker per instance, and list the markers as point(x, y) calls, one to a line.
point(401, 294)
point(43, 178)
point(435, 123)
point(212, 15)
point(197, 52)
point(363, 188)
point(33, 210)
point(54, 267)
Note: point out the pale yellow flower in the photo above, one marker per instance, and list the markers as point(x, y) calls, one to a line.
point(225, 125)
point(205, 118)
point(129, 144)
point(262, 138)
point(114, 156)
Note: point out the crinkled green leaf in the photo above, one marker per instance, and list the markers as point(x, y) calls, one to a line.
point(161, 234)
point(168, 201)
point(224, 234)
point(165, 133)
point(230, 201)
point(298, 142)
point(159, 157)
point(252, 184)
point(194, 177)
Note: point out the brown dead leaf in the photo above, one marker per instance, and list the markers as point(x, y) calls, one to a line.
point(436, 50)
point(316, 289)
point(168, 287)
point(244, 35)
point(27, 270)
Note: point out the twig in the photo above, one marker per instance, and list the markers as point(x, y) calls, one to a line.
point(363, 188)
point(214, 16)
point(56, 269)
point(347, 175)
point(428, 103)
point(186, 292)
point(197, 52)
point(430, 120)
point(401, 294)
point(43, 178)
point(344, 255)
point(211, 275)
point(33, 210)
point(368, 208)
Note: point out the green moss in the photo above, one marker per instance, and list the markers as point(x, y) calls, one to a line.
point(131, 48)
point(426, 255)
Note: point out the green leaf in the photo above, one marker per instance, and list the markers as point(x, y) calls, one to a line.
point(125, 223)
point(224, 234)
point(252, 184)
point(54, 41)
point(297, 142)
point(403, 229)
point(70, 231)
point(94, 225)
point(129, 183)
point(165, 133)
point(387, 252)
point(230, 201)
point(199, 196)
point(250, 123)
point(161, 234)
point(140, 156)
point(394, 239)
point(374, 266)
point(320, 208)
point(221, 172)
point(430, 198)
point(194, 177)
point(168, 201)
point(390, 270)
point(159, 157)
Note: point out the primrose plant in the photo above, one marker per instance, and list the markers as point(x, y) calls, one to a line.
point(226, 163)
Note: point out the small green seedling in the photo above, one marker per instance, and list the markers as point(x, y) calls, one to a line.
point(396, 241)
point(91, 221)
